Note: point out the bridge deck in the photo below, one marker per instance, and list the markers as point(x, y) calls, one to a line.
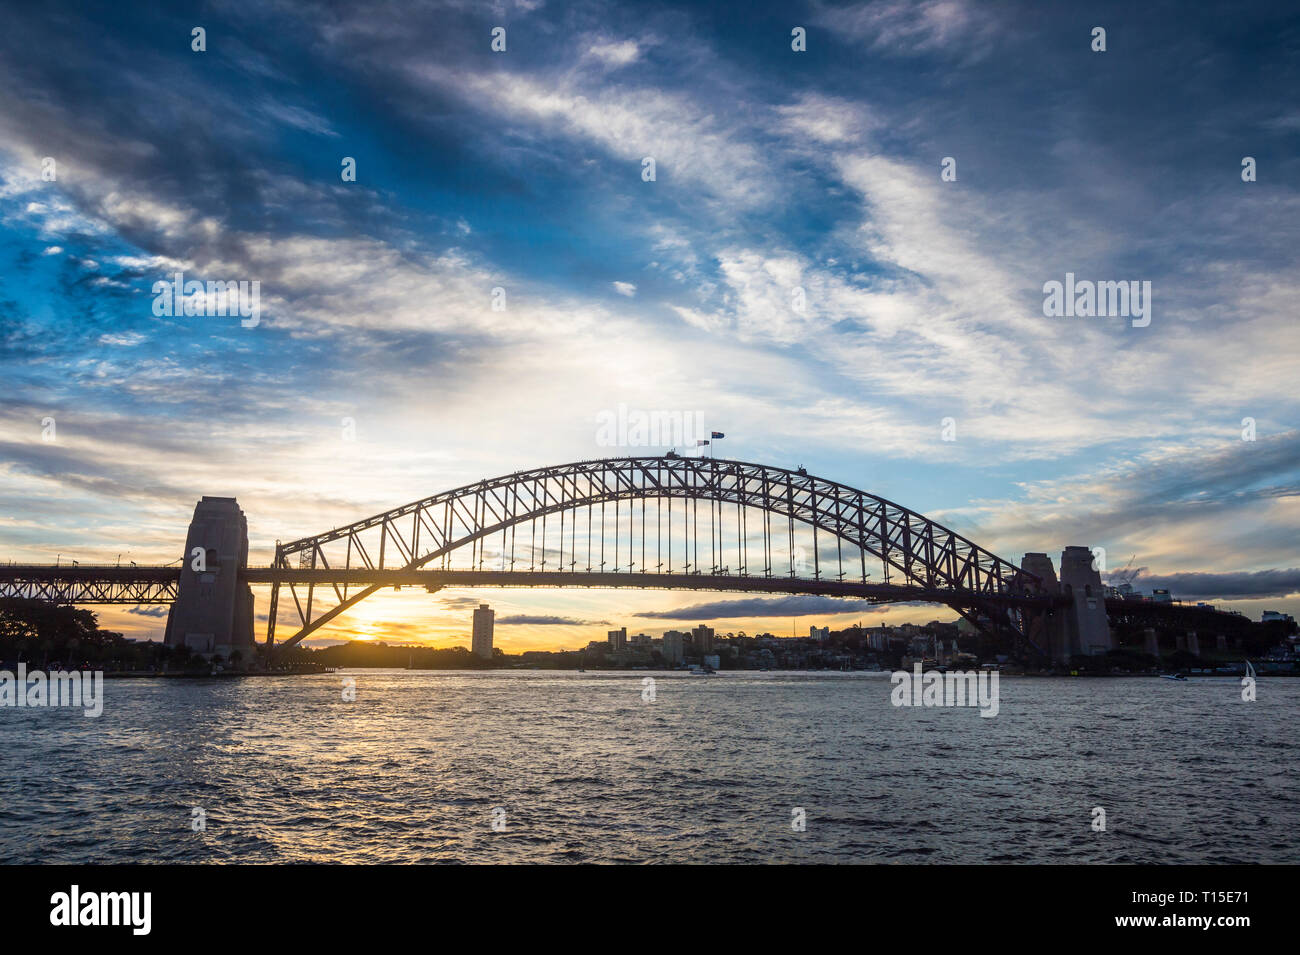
point(113, 584)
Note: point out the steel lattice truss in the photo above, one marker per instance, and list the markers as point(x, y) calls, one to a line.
point(558, 520)
point(91, 585)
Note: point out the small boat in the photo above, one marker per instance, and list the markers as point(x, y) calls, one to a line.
point(1173, 676)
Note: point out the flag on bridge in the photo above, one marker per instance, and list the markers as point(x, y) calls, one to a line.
point(701, 444)
point(717, 434)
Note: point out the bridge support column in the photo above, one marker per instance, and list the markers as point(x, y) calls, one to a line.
point(1086, 621)
point(1151, 643)
point(1193, 643)
point(1046, 627)
point(213, 611)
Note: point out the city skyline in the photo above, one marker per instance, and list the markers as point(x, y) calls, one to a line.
point(917, 364)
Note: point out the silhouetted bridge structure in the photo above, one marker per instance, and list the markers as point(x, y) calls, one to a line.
point(663, 522)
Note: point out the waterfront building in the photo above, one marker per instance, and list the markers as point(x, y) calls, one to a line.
point(484, 621)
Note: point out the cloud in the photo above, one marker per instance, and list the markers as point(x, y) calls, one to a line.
point(299, 118)
point(1164, 504)
point(826, 120)
point(148, 611)
point(690, 144)
point(614, 54)
point(125, 340)
point(1245, 585)
point(906, 28)
point(460, 603)
point(540, 620)
point(792, 606)
point(923, 297)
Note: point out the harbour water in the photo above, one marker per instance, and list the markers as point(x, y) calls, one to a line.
point(583, 767)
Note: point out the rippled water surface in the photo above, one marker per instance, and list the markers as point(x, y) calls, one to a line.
point(287, 771)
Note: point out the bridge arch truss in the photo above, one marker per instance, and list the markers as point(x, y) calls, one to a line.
point(639, 516)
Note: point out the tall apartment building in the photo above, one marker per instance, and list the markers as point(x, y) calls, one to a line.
point(484, 618)
point(672, 647)
point(702, 637)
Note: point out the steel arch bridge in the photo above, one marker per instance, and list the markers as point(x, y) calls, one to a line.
point(637, 522)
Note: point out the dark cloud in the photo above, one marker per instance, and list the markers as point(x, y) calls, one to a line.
point(792, 606)
point(148, 611)
point(87, 473)
point(1194, 484)
point(461, 603)
point(523, 619)
point(1241, 585)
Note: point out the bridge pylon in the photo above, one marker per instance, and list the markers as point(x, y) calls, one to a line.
point(1079, 627)
point(213, 610)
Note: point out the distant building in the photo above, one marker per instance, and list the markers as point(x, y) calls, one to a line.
point(820, 634)
point(702, 637)
point(618, 639)
point(484, 618)
point(672, 647)
point(640, 640)
point(1161, 597)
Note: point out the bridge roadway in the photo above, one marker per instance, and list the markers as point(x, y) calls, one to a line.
point(111, 584)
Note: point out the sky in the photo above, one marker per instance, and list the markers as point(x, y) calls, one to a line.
point(915, 176)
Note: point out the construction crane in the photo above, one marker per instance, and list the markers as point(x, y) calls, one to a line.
point(1126, 575)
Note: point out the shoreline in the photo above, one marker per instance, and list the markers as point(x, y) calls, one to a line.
point(127, 674)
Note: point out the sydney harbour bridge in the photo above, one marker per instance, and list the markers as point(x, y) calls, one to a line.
point(661, 522)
